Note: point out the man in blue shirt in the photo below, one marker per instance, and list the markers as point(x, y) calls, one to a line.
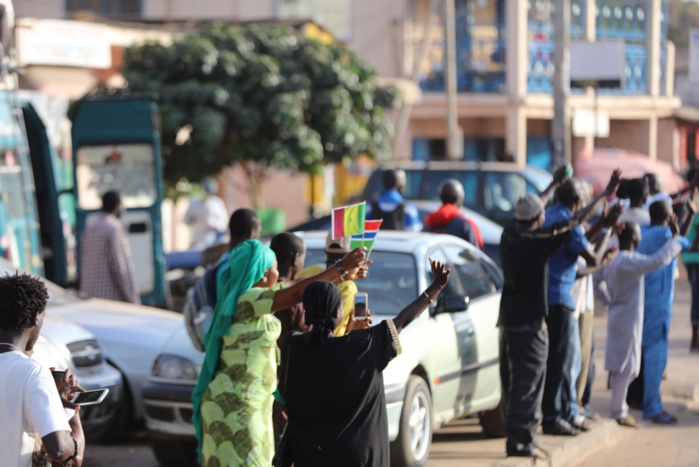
point(657, 310)
point(390, 206)
point(562, 326)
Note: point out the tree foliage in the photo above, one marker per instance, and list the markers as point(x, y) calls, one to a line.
point(684, 16)
point(262, 96)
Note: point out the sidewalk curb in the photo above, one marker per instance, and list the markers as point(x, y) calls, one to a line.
point(688, 392)
point(604, 434)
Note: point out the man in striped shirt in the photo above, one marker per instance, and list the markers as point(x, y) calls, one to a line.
point(106, 265)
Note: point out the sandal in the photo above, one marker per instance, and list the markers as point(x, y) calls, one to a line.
point(664, 418)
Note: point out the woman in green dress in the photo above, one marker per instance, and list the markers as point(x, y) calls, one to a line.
point(233, 396)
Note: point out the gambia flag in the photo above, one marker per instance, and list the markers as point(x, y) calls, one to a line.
point(367, 239)
point(348, 220)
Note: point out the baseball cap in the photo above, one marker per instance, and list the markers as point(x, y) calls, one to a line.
point(339, 245)
point(528, 207)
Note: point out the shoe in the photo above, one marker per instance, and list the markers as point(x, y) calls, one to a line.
point(580, 423)
point(561, 428)
point(694, 349)
point(591, 414)
point(628, 421)
point(535, 452)
point(664, 418)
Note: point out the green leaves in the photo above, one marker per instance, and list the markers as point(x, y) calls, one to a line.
point(261, 95)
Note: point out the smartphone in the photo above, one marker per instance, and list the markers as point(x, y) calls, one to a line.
point(361, 303)
point(90, 397)
point(58, 375)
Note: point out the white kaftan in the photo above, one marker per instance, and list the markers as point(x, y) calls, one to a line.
point(624, 279)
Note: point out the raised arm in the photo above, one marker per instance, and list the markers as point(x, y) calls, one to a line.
point(292, 295)
point(585, 213)
point(559, 176)
point(693, 207)
point(420, 304)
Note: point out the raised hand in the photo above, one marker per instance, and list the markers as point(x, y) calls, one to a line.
point(674, 225)
point(611, 215)
point(354, 258)
point(356, 324)
point(560, 175)
point(440, 273)
point(613, 184)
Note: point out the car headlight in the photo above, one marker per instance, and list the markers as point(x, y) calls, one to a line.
point(85, 353)
point(174, 367)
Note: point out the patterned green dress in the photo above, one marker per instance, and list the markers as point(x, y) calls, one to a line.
point(237, 405)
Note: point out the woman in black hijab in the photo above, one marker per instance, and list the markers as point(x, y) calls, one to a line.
point(333, 386)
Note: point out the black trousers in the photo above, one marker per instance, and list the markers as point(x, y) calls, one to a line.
point(523, 354)
point(558, 323)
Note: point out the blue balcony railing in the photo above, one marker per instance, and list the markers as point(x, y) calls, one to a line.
point(480, 67)
point(621, 19)
point(540, 18)
point(541, 69)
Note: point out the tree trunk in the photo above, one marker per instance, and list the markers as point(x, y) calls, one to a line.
point(256, 175)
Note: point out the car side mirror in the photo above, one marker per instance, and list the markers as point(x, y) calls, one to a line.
point(451, 304)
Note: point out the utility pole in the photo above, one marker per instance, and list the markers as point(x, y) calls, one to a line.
point(560, 126)
point(455, 138)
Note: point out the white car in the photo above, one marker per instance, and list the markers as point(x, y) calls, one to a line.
point(448, 369)
point(128, 337)
point(62, 345)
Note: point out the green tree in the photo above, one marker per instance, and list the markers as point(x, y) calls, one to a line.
point(262, 97)
point(683, 16)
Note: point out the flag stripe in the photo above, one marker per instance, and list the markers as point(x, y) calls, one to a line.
point(366, 236)
point(338, 221)
point(356, 243)
point(373, 225)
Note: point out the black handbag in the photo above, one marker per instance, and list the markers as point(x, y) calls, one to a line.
point(282, 455)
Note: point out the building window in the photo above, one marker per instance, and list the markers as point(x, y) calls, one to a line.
point(333, 15)
point(480, 45)
point(113, 9)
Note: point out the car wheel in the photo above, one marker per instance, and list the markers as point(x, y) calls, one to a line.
point(412, 446)
point(172, 452)
point(493, 421)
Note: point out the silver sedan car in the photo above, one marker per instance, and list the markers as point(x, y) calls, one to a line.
point(448, 368)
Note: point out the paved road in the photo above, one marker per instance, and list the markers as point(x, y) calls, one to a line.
point(461, 443)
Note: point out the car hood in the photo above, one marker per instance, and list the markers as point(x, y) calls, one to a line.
point(105, 318)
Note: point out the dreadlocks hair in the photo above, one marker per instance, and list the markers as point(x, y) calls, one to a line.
point(22, 298)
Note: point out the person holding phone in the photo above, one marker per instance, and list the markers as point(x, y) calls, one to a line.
point(332, 386)
point(30, 403)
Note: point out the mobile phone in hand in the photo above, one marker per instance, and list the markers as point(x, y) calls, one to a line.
point(361, 303)
point(90, 397)
point(58, 375)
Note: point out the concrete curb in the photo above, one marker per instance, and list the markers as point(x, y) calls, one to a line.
point(603, 434)
point(689, 392)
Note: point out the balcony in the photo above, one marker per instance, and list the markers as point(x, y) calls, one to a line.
point(541, 69)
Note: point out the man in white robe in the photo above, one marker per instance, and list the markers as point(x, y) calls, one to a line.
point(624, 280)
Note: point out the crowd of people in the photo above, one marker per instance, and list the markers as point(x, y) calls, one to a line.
point(554, 264)
point(290, 376)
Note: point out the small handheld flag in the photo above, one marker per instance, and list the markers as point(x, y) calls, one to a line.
point(368, 237)
point(348, 220)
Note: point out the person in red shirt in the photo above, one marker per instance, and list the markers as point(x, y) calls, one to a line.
point(449, 219)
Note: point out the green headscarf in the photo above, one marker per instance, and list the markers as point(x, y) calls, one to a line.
point(247, 264)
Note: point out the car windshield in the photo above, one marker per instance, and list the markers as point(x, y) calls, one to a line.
point(392, 282)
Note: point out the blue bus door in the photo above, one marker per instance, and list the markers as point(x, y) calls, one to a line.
point(116, 146)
